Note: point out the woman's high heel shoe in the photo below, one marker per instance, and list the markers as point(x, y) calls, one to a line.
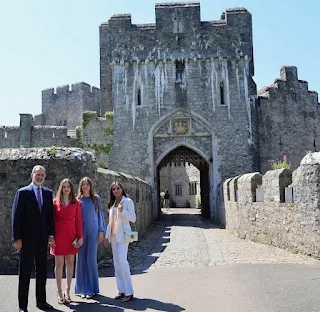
point(127, 298)
point(67, 296)
point(61, 299)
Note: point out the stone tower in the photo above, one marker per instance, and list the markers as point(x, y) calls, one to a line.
point(64, 105)
point(182, 91)
point(26, 123)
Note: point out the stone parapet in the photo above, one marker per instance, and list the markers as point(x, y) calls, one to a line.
point(294, 226)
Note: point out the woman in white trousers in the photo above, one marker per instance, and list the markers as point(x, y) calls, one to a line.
point(121, 213)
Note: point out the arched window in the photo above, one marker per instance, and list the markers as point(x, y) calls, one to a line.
point(222, 100)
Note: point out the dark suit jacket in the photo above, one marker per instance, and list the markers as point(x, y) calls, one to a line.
point(28, 223)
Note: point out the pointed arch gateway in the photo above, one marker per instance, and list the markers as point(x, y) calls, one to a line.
point(181, 156)
point(183, 137)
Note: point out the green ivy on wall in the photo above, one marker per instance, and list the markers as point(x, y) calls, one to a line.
point(109, 115)
point(87, 116)
point(52, 151)
point(101, 148)
point(109, 131)
point(79, 139)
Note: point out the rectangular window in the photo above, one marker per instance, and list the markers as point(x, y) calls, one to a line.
point(178, 189)
point(193, 188)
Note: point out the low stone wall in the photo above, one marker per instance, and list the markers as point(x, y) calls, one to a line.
point(74, 163)
point(288, 214)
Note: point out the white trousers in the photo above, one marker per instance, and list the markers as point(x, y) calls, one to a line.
point(121, 267)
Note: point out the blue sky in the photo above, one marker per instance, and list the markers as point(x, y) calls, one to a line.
point(50, 43)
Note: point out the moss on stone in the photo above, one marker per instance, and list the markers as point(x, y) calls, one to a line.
point(87, 116)
point(109, 115)
point(79, 139)
point(103, 166)
point(52, 150)
point(109, 131)
point(101, 148)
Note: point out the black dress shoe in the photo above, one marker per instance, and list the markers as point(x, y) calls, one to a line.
point(44, 306)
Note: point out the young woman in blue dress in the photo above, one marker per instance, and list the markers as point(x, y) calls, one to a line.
point(93, 225)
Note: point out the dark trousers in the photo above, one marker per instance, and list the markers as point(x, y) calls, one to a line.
point(30, 256)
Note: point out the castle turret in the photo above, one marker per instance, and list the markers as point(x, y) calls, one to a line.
point(65, 105)
point(26, 123)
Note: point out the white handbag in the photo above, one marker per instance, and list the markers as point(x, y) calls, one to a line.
point(130, 236)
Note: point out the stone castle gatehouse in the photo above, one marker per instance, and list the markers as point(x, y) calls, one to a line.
point(181, 91)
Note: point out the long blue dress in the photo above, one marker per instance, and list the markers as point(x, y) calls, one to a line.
point(87, 278)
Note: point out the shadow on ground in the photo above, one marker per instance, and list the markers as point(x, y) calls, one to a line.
point(101, 303)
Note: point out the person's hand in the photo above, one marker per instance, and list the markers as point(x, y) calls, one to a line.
point(80, 242)
point(51, 242)
point(101, 237)
point(106, 243)
point(18, 244)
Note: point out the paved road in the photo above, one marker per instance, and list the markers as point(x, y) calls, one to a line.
point(185, 263)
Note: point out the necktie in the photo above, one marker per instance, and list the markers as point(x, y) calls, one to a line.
point(39, 199)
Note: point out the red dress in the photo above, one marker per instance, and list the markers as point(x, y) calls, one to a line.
point(68, 226)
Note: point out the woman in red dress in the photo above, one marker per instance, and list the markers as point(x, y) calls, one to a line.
point(68, 227)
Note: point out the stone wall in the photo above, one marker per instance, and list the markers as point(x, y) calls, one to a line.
point(289, 119)
point(166, 86)
point(9, 137)
point(177, 34)
point(97, 136)
point(74, 163)
point(154, 76)
point(65, 105)
point(172, 176)
point(289, 214)
point(28, 135)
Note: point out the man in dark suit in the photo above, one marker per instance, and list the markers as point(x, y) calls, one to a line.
point(33, 231)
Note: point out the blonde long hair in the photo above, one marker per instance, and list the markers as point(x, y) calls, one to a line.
point(92, 193)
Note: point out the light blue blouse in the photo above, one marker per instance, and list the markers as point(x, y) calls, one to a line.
point(89, 213)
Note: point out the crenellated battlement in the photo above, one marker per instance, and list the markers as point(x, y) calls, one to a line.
point(177, 34)
point(178, 26)
point(75, 87)
point(288, 118)
point(64, 105)
point(29, 135)
point(279, 208)
point(166, 13)
point(287, 83)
